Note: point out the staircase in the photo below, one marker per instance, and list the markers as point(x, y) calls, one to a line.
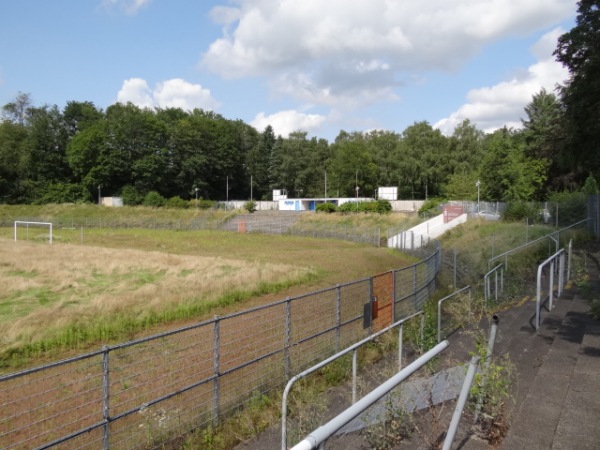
point(557, 388)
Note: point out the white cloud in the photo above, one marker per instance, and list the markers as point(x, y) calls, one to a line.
point(174, 93)
point(490, 108)
point(286, 122)
point(130, 7)
point(358, 52)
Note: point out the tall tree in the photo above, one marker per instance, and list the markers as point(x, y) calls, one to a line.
point(542, 136)
point(16, 111)
point(579, 51)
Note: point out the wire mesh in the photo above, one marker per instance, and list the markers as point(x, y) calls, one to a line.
point(151, 392)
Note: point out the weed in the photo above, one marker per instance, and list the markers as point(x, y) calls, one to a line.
point(390, 430)
point(491, 393)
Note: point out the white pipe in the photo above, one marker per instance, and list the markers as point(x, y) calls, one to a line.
point(324, 432)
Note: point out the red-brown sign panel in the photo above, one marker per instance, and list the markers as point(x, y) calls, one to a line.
point(452, 212)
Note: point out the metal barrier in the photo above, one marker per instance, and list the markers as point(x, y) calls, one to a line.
point(315, 439)
point(353, 349)
point(439, 325)
point(147, 392)
point(560, 256)
point(536, 241)
point(486, 281)
point(461, 402)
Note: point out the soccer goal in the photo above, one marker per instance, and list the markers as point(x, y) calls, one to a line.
point(23, 224)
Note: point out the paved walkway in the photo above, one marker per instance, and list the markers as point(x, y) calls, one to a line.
point(557, 393)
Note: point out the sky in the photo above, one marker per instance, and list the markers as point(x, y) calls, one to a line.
point(318, 66)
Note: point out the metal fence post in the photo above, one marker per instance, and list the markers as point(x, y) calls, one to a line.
point(216, 345)
point(393, 295)
point(338, 318)
point(288, 337)
point(415, 309)
point(400, 338)
point(105, 399)
point(371, 304)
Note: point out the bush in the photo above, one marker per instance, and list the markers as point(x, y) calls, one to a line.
point(326, 208)
point(378, 207)
point(384, 207)
point(572, 207)
point(250, 206)
point(177, 202)
point(64, 193)
point(431, 207)
point(154, 200)
point(205, 204)
point(517, 211)
point(131, 196)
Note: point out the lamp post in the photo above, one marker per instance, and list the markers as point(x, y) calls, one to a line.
point(100, 194)
point(250, 187)
point(478, 184)
point(196, 189)
point(227, 192)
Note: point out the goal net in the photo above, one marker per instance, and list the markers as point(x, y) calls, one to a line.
point(23, 228)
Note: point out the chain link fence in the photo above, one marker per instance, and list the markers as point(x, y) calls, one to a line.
point(153, 391)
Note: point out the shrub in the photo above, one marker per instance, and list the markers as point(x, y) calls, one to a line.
point(205, 204)
point(326, 208)
point(431, 207)
point(384, 207)
point(250, 206)
point(516, 211)
point(65, 193)
point(154, 200)
point(131, 196)
point(177, 202)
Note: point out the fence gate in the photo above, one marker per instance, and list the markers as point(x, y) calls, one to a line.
point(383, 294)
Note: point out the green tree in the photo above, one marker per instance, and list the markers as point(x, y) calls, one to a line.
point(352, 166)
point(541, 137)
point(579, 51)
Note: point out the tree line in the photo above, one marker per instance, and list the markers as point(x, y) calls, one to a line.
point(52, 155)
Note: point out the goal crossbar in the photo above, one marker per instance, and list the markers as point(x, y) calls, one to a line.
point(27, 223)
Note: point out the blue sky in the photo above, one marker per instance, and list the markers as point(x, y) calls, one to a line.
point(314, 65)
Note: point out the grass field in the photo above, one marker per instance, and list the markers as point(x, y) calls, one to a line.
point(95, 286)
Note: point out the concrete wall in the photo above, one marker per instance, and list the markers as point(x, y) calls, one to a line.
point(421, 234)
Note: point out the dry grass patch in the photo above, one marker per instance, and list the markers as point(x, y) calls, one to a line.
point(48, 288)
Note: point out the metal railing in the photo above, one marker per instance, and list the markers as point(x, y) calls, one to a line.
point(487, 286)
point(148, 392)
point(317, 438)
point(353, 348)
point(560, 257)
point(439, 308)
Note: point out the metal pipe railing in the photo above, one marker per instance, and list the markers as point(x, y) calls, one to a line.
point(323, 363)
point(486, 281)
point(538, 297)
point(324, 432)
point(439, 324)
point(461, 402)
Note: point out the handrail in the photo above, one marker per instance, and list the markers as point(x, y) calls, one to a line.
point(535, 241)
point(561, 257)
point(439, 324)
point(332, 358)
point(460, 404)
point(486, 282)
point(321, 434)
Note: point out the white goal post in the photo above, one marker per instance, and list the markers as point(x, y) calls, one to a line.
point(43, 224)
